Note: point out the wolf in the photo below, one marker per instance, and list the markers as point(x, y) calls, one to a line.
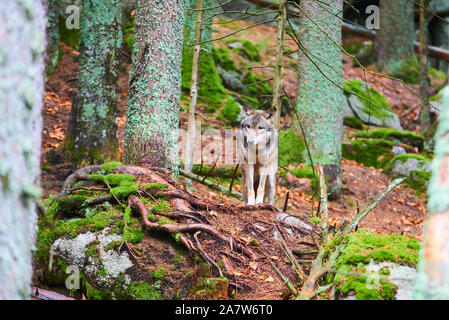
point(257, 150)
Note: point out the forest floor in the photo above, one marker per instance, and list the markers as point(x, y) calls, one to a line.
point(402, 211)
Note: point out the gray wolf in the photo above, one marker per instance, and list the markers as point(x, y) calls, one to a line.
point(257, 150)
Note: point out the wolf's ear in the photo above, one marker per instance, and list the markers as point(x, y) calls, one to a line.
point(247, 110)
point(270, 113)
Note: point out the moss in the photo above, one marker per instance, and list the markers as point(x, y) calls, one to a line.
point(112, 245)
point(70, 37)
point(110, 166)
point(95, 294)
point(162, 205)
point(291, 148)
point(361, 247)
point(247, 49)
point(210, 88)
point(256, 84)
point(374, 103)
point(395, 135)
point(365, 245)
point(231, 110)
point(417, 179)
point(222, 172)
point(158, 274)
point(222, 57)
point(353, 122)
point(155, 186)
point(51, 229)
point(210, 288)
point(369, 152)
point(254, 242)
point(315, 220)
point(409, 73)
point(92, 249)
point(122, 184)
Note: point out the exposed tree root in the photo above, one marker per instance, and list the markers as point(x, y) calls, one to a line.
point(135, 204)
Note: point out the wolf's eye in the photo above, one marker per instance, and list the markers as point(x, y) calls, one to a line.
point(261, 128)
point(247, 126)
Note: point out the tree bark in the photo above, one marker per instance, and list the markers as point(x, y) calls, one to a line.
point(22, 30)
point(320, 100)
point(394, 41)
point(433, 269)
point(151, 133)
point(92, 131)
point(53, 52)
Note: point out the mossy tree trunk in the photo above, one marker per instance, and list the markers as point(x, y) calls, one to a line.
point(320, 101)
point(53, 52)
point(92, 132)
point(151, 133)
point(394, 41)
point(433, 269)
point(22, 30)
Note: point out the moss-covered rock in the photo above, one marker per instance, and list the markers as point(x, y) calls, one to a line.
point(362, 249)
point(353, 122)
point(415, 167)
point(369, 152)
point(409, 73)
point(245, 48)
point(398, 136)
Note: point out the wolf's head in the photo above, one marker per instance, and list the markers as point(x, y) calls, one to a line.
point(257, 127)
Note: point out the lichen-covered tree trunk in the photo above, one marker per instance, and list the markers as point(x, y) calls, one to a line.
point(152, 117)
point(433, 269)
point(320, 101)
point(53, 52)
point(22, 34)
point(394, 41)
point(92, 131)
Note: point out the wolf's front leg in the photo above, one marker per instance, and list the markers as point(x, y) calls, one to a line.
point(271, 187)
point(261, 187)
point(250, 184)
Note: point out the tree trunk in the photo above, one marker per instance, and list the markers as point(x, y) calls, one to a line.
point(22, 30)
point(151, 134)
point(433, 269)
point(92, 131)
point(394, 41)
point(53, 53)
point(424, 113)
point(194, 89)
point(320, 101)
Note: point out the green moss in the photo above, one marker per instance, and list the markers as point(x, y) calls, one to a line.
point(395, 135)
point(122, 185)
point(95, 294)
point(210, 288)
point(162, 205)
point(417, 179)
point(369, 152)
point(110, 166)
point(374, 103)
point(222, 57)
point(211, 91)
point(247, 50)
point(158, 274)
point(70, 37)
point(353, 48)
point(361, 247)
point(155, 186)
point(409, 73)
point(291, 148)
point(256, 84)
point(365, 245)
point(353, 122)
point(315, 220)
point(51, 229)
point(231, 110)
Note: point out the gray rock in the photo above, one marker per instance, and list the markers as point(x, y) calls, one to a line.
point(398, 150)
point(402, 276)
point(231, 79)
point(293, 221)
point(73, 252)
point(234, 45)
point(356, 105)
point(402, 168)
